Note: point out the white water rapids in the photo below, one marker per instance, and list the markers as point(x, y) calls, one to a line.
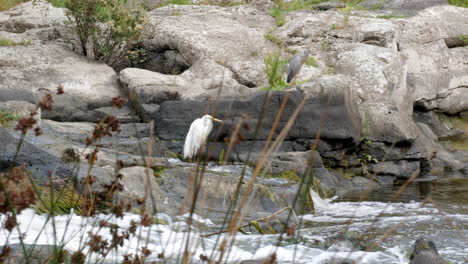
point(449, 231)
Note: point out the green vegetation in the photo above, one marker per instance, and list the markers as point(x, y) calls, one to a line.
point(178, 2)
point(461, 3)
point(331, 70)
point(6, 117)
point(274, 39)
point(7, 4)
point(311, 61)
point(353, 5)
point(274, 69)
point(57, 3)
point(69, 155)
point(463, 38)
point(58, 202)
point(325, 45)
point(158, 171)
point(111, 26)
point(392, 16)
point(279, 15)
point(8, 42)
point(285, 175)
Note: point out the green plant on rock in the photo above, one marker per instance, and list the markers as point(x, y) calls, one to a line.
point(274, 69)
point(392, 16)
point(460, 3)
point(7, 4)
point(158, 171)
point(311, 61)
point(363, 151)
point(8, 43)
point(274, 39)
point(463, 38)
point(6, 117)
point(59, 202)
point(279, 15)
point(110, 27)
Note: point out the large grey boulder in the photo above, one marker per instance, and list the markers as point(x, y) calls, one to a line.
point(425, 252)
point(32, 71)
point(46, 59)
point(34, 22)
point(139, 182)
point(174, 118)
point(205, 79)
point(436, 70)
point(230, 36)
point(218, 191)
point(38, 161)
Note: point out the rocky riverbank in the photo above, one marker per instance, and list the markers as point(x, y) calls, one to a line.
point(390, 87)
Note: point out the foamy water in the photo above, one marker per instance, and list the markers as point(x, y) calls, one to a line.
point(413, 219)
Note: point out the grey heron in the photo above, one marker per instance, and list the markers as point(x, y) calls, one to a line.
point(295, 64)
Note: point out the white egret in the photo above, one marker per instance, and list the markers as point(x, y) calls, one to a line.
point(198, 134)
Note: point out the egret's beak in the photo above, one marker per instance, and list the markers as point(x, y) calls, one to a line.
point(216, 120)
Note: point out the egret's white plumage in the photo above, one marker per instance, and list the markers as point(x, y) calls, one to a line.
point(197, 135)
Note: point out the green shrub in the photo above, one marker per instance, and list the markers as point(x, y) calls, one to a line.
point(7, 4)
point(59, 201)
point(274, 39)
point(311, 61)
point(57, 3)
point(110, 25)
point(274, 69)
point(279, 15)
point(8, 42)
point(461, 3)
point(463, 38)
point(6, 117)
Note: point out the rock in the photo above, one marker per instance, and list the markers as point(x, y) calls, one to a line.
point(252, 262)
point(148, 111)
point(446, 163)
point(138, 181)
point(33, 71)
point(173, 125)
point(436, 72)
point(124, 115)
point(46, 60)
point(21, 109)
point(36, 253)
point(385, 101)
point(329, 5)
point(440, 127)
point(202, 81)
point(425, 253)
point(401, 169)
point(464, 115)
point(34, 21)
point(291, 161)
point(218, 189)
point(402, 7)
point(103, 176)
point(198, 32)
point(38, 161)
point(385, 123)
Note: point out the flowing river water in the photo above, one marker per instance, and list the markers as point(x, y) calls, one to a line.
point(437, 211)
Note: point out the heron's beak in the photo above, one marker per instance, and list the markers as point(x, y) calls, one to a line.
point(216, 120)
